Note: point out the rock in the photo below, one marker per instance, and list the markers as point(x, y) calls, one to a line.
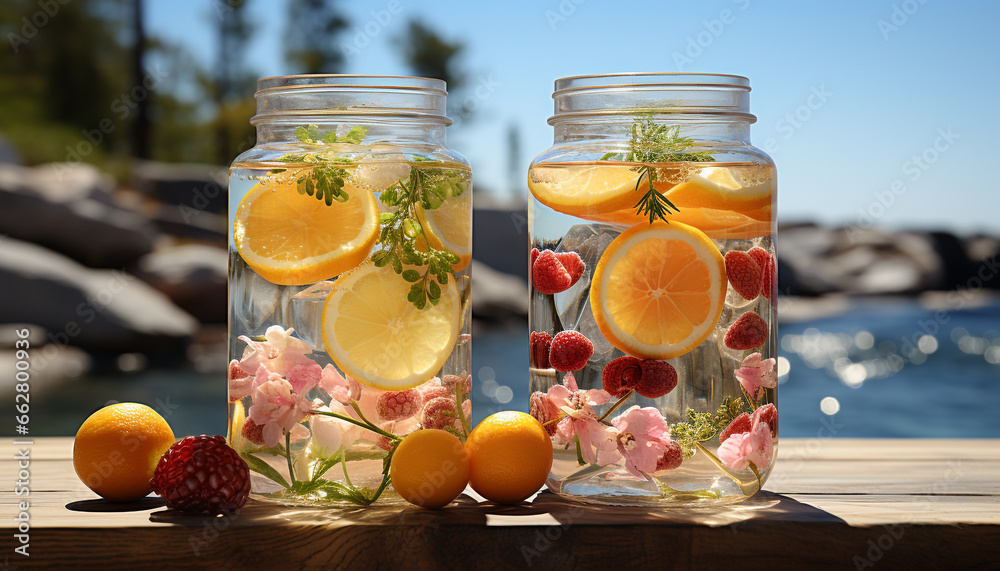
point(96, 310)
point(497, 296)
point(194, 187)
point(193, 276)
point(68, 208)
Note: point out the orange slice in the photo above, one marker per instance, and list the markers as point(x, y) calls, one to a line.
point(715, 188)
point(295, 239)
point(587, 190)
point(449, 226)
point(716, 224)
point(378, 337)
point(658, 290)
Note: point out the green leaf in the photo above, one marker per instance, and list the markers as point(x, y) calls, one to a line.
point(411, 275)
point(320, 466)
point(382, 259)
point(397, 264)
point(263, 468)
point(433, 290)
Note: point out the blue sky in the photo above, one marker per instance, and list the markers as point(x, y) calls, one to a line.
point(882, 112)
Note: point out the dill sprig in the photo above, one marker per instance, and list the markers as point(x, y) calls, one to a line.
point(429, 187)
point(651, 144)
point(703, 426)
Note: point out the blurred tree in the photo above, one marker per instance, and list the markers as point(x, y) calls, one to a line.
point(140, 124)
point(310, 36)
point(430, 55)
point(233, 84)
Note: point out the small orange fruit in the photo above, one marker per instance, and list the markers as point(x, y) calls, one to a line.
point(430, 468)
point(511, 456)
point(116, 450)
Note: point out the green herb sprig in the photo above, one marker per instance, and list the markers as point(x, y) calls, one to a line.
point(703, 426)
point(401, 230)
point(327, 177)
point(651, 144)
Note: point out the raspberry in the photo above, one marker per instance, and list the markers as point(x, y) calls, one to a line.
point(747, 332)
point(435, 392)
point(658, 378)
point(432, 415)
point(543, 409)
point(235, 372)
point(672, 457)
point(384, 443)
point(769, 414)
point(202, 474)
point(769, 281)
point(539, 343)
point(531, 260)
point(253, 432)
point(744, 274)
point(573, 264)
point(550, 275)
point(621, 375)
point(570, 351)
point(449, 382)
point(739, 425)
point(397, 405)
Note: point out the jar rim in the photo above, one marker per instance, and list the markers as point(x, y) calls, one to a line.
point(711, 96)
point(314, 80)
point(652, 79)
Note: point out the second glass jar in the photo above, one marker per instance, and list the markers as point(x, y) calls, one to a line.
point(653, 324)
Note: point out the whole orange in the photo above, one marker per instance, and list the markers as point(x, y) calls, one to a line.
point(511, 456)
point(117, 448)
point(430, 468)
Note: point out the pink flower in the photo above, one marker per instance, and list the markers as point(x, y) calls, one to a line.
point(304, 377)
point(340, 389)
point(755, 446)
point(597, 440)
point(331, 434)
point(755, 375)
point(279, 352)
point(277, 407)
point(643, 438)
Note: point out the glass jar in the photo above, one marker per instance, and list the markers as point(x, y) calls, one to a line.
point(653, 329)
point(349, 253)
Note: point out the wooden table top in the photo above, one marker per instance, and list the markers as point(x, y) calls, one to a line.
point(830, 503)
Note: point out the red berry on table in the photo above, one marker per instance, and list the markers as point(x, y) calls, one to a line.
point(539, 343)
point(570, 350)
point(553, 273)
point(621, 375)
point(202, 474)
point(744, 274)
point(739, 425)
point(747, 332)
point(769, 414)
point(769, 281)
point(658, 378)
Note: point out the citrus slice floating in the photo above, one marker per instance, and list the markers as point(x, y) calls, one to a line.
point(295, 239)
point(715, 188)
point(717, 224)
point(449, 226)
point(579, 191)
point(658, 290)
point(378, 337)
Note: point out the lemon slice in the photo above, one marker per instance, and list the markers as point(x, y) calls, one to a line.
point(658, 290)
point(449, 226)
point(377, 336)
point(576, 191)
point(295, 239)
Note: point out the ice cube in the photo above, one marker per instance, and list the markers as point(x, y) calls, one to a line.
point(307, 312)
point(254, 298)
point(377, 172)
point(589, 241)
